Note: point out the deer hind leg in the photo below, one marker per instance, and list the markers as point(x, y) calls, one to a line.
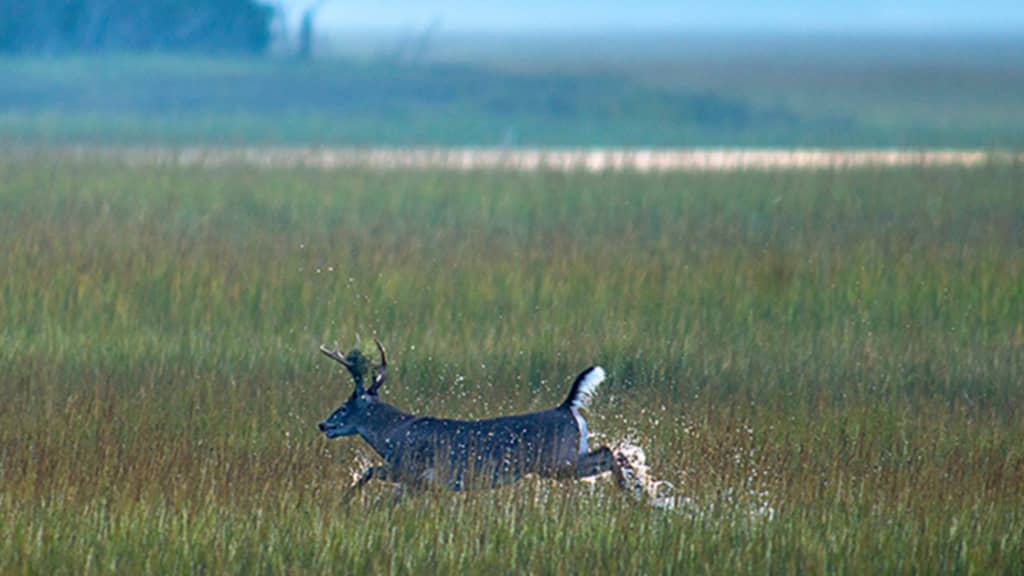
point(600, 461)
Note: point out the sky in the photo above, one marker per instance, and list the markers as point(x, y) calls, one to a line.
point(779, 16)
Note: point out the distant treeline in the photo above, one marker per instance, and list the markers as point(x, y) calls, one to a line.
point(60, 26)
point(183, 99)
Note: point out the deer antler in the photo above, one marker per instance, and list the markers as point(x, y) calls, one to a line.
point(336, 355)
point(354, 364)
point(382, 369)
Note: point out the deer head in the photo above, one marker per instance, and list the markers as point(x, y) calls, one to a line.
point(353, 413)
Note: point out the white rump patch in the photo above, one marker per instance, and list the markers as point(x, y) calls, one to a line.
point(587, 388)
point(582, 425)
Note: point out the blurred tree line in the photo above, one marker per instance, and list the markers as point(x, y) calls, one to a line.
point(56, 26)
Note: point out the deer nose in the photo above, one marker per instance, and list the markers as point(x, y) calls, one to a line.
point(322, 426)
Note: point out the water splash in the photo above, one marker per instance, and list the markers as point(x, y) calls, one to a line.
point(664, 495)
point(362, 462)
point(638, 480)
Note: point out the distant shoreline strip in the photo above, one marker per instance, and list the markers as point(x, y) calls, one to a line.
point(536, 159)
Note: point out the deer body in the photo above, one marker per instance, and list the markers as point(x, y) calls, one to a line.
point(460, 454)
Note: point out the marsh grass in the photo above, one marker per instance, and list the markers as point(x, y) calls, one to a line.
point(844, 348)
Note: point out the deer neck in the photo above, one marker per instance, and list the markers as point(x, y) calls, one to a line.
point(383, 419)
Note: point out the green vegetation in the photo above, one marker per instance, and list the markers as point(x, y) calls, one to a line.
point(678, 99)
point(846, 348)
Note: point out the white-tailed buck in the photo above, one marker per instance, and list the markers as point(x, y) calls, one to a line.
point(421, 451)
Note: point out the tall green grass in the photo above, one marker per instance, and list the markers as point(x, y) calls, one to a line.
point(827, 365)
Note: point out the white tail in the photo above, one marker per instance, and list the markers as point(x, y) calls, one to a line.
point(583, 389)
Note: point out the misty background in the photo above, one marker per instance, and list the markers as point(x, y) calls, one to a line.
point(574, 16)
point(569, 73)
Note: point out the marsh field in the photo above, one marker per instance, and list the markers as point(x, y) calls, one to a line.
point(826, 365)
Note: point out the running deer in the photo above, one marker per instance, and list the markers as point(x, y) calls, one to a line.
point(421, 451)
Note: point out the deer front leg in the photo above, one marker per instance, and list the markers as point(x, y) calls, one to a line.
point(371, 473)
point(597, 462)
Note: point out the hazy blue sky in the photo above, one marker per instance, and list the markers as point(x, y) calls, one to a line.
point(918, 16)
